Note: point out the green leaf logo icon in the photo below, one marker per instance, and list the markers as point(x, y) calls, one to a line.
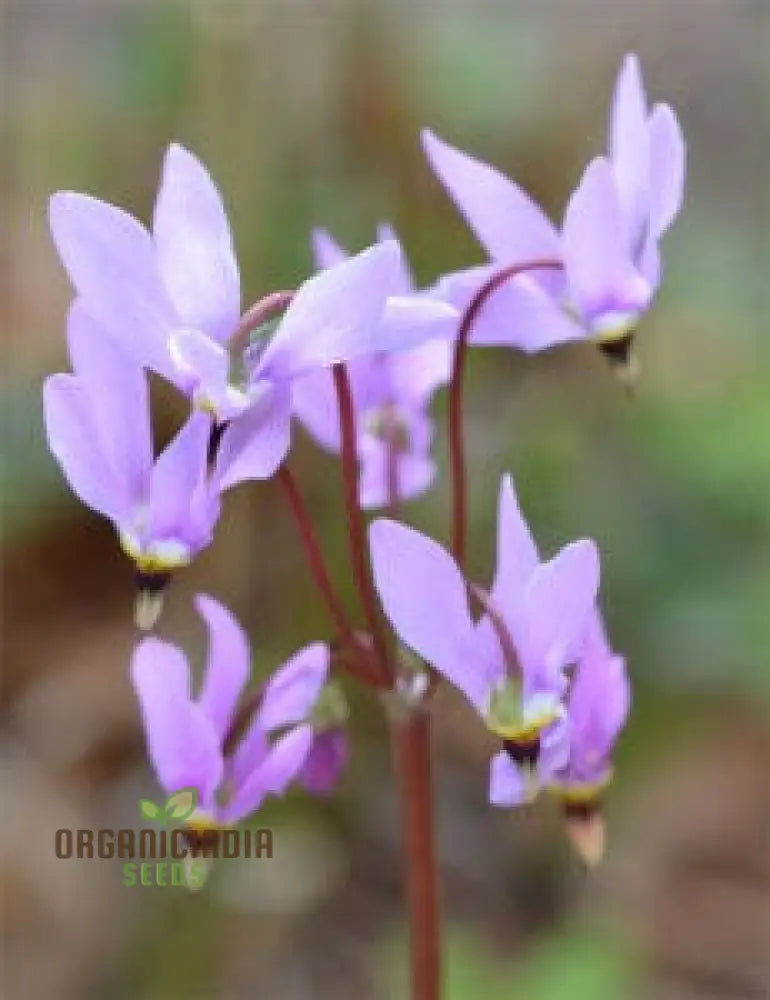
point(181, 805)
point(150, 811)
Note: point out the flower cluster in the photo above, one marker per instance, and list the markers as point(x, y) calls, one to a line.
point(356, 354)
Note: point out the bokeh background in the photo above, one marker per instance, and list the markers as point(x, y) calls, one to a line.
point(308, 113)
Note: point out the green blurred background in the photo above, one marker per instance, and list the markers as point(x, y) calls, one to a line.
point(308, 113)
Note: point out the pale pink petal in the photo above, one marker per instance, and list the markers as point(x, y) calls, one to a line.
point(293, 690)
point(335, 315)
point(73, 439)
point(255, 443)
point(182, 744)
point(326, 250)
point(194, 247)
point(506, 221)
point(227, 664)
point(506, 784)
point(602, 276)
point(424, 597)
point(667, 168)
point(629, 148)
point(110, 259)
point(117, 391)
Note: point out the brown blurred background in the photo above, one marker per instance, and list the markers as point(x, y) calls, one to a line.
point(308, 113)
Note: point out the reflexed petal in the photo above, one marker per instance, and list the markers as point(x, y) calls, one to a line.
point(74, 441)
point(326, 250)
point(227, 664)
point(559, 599)
point(649, 261)
point(600, 694)
point(292, 691)
point(414, 473)
point(517, 556)
point(182, 744)
point(405, 284)
point(249, 753)
point(325, 762)
point(116, 387)
point(506, 221)
point(506, 784)
point(667, 168)
point(409, 321)
point(314, 404)
point(194, 247)
point(519, 313)
point(629, 148)
point(273, 776)
point(601, 273)
point(416, 374)
point(110, 259)
point(334, 316)
point(177, 476)
point(255, 443)
point(424, 596)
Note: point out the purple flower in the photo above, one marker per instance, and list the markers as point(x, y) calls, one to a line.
point(511, 663)
point(171, 297)
point(194, 740)
point(609, 240)
point(327, 759)
point(99, 429)
point(98, 426)
point(391, 395)
point(598, 705)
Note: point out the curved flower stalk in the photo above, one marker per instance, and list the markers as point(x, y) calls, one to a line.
point(194, 740)
point(171, 297)
point(598, 705)
point(391, 395)
point(98, 426)
point(609, 239)
point(511, 663)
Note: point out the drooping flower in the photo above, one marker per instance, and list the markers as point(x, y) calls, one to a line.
point(608, 244)
point(99, 429)
point(171, 297)
point(598, 705)
point(391, 394)
point(199, 741)
point(511, 663)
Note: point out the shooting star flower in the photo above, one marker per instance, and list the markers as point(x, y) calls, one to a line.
point(99, 429)
point(202, 741)
point(511, 663)
point(608, 244)
point(598, 705)
point(391, 395)
point(171, 298)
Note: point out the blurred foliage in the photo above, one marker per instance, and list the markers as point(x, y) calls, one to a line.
point(572, 964)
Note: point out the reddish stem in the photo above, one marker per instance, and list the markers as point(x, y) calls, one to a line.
point(358, 664)
point(411, 758)
point(257, 314)
point(356, 528)
point(456, 447)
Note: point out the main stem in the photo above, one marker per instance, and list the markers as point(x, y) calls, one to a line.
point(456, 445)
point(411, 757)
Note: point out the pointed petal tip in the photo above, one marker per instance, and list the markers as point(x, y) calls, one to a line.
point(427, 138)
point(588, 836)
